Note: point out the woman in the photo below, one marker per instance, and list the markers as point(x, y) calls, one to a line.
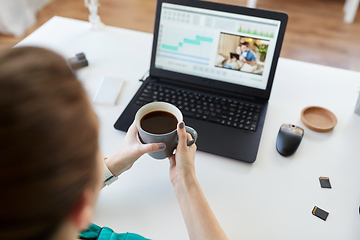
point(51, 168)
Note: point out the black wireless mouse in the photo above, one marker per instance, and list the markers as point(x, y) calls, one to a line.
point(288, 139)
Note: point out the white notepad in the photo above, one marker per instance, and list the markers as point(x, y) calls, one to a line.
point(108, 91)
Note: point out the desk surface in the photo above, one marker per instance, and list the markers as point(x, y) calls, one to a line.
point(269, 199)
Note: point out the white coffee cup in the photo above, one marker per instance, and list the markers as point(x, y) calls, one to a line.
point(170, 139)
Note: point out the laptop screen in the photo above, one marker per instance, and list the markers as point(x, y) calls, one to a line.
point(223, 46)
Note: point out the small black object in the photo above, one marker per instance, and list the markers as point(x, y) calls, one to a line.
point(324, 182)
point(78, 61)
point(320, 213)
point(234, 55)
point(288, 139)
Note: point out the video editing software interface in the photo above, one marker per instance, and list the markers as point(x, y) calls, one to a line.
point(223, 46)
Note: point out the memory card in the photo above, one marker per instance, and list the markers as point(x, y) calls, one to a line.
point(320, 213)
point(325, 182)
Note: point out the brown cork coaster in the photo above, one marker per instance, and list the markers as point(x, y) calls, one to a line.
point(318, 119)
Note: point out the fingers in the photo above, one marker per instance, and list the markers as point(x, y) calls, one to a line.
point(182, 135)
point(188, 137)
point(132, 130)
point(152, 147)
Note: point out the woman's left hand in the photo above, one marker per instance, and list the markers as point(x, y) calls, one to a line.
point(130, 150)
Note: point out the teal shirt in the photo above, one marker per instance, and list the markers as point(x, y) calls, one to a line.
point(97, 233)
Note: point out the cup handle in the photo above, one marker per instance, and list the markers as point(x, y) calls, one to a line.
point(193, 134)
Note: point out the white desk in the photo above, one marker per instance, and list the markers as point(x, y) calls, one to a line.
point(270, 199)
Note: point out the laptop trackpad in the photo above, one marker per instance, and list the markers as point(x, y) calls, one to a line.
point(239, 144)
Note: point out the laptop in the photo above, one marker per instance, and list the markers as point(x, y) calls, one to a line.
point(190, 68)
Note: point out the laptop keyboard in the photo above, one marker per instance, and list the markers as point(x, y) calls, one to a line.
point(220, 110)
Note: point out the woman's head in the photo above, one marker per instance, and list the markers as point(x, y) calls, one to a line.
point(48, 143)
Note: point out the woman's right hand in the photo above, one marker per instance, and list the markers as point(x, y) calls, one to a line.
point(200, 221)
point(182, 162)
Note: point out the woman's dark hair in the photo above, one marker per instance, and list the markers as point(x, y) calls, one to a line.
point(48, 142)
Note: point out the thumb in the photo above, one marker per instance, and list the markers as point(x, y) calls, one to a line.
point(182, 135)
point(152, 147)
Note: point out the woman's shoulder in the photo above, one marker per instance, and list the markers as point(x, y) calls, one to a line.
point(95, 232)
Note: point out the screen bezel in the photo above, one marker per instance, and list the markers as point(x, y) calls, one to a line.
point(221, 85)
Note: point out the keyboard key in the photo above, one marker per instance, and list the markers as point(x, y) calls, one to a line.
point(145, 99)
point(225, 112)
point(213, 119)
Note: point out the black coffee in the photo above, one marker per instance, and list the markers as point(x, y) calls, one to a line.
point(158, 122)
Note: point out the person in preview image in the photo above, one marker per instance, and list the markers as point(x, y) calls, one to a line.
point(234, 62)
point(247, 55)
